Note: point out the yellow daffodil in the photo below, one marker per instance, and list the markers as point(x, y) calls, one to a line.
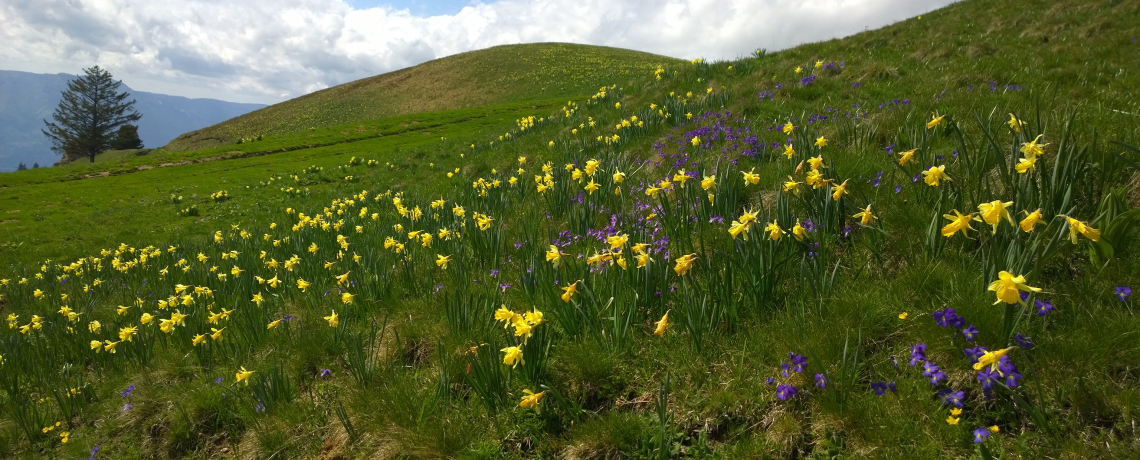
point(662, 325)
point(1078, 227)
point(838, 191)
point(798, 231)
point(865, 216)
point(742, 225)
point(1014, 123)
point(994, 211)
point(302, 284)
point(512, 356)
point(774, 231)
point(991, 358)
point(935, 175)
point(127, 333)
point(1032, 149)
point(906, 157)
point(1009, 288)
point(1031, 219)
point(708, 182)
point(273, 324)
point(816, 162)
point(569, 291)
point(789, 151)
point(441, 261)
point(958, 223)
point(242, 376)
point(530, 398)
point(684, 264)
point(935, 121)
point(750, 177)
point(333, 319)
point(1025, 165)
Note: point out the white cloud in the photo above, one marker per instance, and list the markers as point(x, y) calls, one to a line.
point(267, 51)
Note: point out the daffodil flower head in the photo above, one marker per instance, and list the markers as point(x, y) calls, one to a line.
point(1009, 288)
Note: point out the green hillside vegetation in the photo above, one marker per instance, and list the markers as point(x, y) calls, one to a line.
point(493, 76)
point(367, 340)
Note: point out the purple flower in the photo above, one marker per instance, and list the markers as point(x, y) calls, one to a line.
point(955, 399)
point(785, 392)
point(325, 372)
point(880, 388)
point(898, 188)
point(93, 452)
point(771, 380)
point(981, 434)
point(798, 362)
point(987, 378)
point(219, 380)
point(1023, 341)
point(917, 353)
point(970, 333)
point(130, 389)
point(784, 367)
point(1043, 307)
point(975, 353)
point(1007, 369)
point(288, 318)
point(821, 381)
point(948, 318)
point(891, 386)
point(126, 407)
point(1122, 292)
point(894, 361)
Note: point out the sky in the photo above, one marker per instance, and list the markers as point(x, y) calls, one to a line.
point(270, 51)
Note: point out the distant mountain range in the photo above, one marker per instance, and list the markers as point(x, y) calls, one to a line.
point(26, 99)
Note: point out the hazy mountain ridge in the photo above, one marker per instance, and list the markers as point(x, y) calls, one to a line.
point(26, 99)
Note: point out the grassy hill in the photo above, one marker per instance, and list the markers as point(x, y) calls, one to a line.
point(814, 331)
point(502, 74)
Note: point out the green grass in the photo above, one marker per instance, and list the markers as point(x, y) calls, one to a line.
point(425, 395)
point(498, 75)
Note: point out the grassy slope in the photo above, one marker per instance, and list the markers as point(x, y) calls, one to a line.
point(1081, 358)
point(503, 74)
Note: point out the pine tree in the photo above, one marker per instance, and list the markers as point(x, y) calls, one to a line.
point(22, 167)
point(89, 114)
point(127, 138)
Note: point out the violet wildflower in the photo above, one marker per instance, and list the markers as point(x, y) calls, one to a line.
point(1023, 341)
point(891, 386)
point(1008, 370)
point(948, 318)
point(898, 188)
point(894, 361)
point(975, 353)
point(219, 380)
point(784, 367)
point(955, 399)
point(771, 380)
point(1122, 292)
point(126, 407)
point(786, 392)
point(1043, 307)
point(970, 333)
point(130, 389)
point(880, 388)
point(93, 452)
point(798, 362)
point(325, 372)
point(987, 379)
point(821, 381)
point(917, 353)
point(981, 434)
point(846, 231)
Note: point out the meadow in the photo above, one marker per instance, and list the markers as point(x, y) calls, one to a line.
point(915, 242)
